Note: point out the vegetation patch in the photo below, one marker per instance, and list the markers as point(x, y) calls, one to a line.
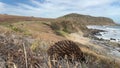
point(62, 27)
point(15, 28)
point(61, 33)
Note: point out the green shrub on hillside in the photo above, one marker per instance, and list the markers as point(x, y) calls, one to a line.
point(14, 28)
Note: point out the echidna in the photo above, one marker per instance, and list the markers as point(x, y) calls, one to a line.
point(66, 48)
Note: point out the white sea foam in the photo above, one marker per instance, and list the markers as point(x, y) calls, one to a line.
point(112, 32)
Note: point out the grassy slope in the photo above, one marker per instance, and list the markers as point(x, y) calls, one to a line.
point(39, 31)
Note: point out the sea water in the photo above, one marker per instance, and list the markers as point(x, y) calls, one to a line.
point(111, 33)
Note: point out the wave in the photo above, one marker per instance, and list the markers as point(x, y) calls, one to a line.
point(112, 32)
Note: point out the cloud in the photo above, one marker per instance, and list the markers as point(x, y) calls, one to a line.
point(1, 6)
point(56, 8)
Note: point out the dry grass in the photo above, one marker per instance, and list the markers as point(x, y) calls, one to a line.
point(16, 53)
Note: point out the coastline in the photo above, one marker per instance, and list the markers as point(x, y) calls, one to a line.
point(110, 33)
point(111, 44)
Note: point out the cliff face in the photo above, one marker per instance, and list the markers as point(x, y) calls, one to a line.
point(88, 20)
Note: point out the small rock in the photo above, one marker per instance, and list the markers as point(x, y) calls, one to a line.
point(112, 39)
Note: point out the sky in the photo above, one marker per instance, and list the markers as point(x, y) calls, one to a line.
point(56, 8)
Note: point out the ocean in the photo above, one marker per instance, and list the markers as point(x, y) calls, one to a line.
point(111, 33)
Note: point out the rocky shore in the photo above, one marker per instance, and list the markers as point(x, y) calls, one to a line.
point(92, 32)
point(113, 48)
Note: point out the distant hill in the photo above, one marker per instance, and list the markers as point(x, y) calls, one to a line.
point(83, 19)
point(88, 20)
point(13, 18)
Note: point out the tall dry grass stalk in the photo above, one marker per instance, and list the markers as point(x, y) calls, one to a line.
point(49, 63)
point(68, 65)
point(25, 53)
